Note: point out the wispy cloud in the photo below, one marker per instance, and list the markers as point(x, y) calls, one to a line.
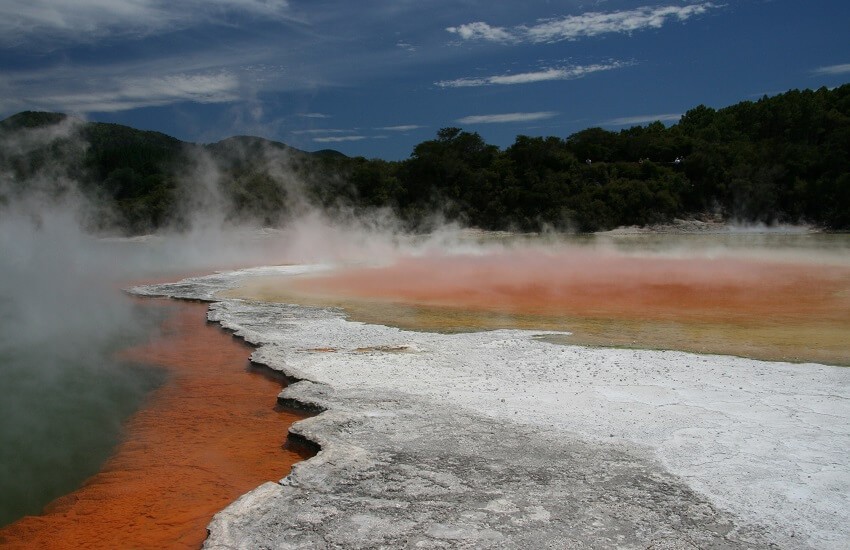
point(574, 27)
point(338, 139)
point(642, 119)
point(506, 117)
point(596, 23)
point(214, 75)
point(482, 31)
point(832, 69)
point(82, 20)
point(406, 46)
point(401, 128)
point(559, 73)
point(123, 93)
point(320, 131)
point(314, 115)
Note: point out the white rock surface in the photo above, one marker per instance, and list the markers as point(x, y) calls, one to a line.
point(482, 440)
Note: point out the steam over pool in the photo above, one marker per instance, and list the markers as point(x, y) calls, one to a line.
point(716, 424)
point(491, 438)
point(64, 317)
point(780, 302)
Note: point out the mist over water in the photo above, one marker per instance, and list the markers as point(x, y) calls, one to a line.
point(768, 295)
point(64, 317)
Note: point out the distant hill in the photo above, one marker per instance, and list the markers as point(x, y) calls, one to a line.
point(332, 153)
point(256, 145)
point(142, 178)
point(784, 158)
point(31, 119)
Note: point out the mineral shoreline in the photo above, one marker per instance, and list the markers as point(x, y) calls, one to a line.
point(210, 433)
point(499, 440)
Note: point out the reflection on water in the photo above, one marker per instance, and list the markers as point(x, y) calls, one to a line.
point(766, 296)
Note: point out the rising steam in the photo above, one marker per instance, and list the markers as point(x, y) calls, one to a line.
point(63, 315)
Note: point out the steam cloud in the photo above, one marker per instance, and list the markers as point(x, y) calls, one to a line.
point(63, 314)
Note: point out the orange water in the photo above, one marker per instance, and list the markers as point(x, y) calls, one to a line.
point(756, 307)
point(208, 435)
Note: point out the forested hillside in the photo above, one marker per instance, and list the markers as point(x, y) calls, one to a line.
point(784, 158)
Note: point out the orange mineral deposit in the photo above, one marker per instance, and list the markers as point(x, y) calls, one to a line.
point(749, 306)
point(210, 434)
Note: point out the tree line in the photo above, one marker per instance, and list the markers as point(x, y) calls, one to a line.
point(781, 159)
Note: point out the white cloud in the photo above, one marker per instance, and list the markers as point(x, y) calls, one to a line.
point(260, 7)
point(482, 31)
point(320, 131)
point(642, 119)
point(573, 27)
point(561, 73)
point(214, 75)
point(463, 82)
point(506, 117)
point(338, 139)
point(596, 23)
point(401, 128)
point(537, 76)
point(124, 93)
point(406, 46)
point(833, 69)
point(83, 20)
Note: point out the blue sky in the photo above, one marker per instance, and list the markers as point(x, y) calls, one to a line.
point(376, 77)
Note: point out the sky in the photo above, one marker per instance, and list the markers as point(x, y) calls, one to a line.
point(376, 77)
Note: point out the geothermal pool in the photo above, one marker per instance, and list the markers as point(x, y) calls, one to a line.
point(518, 438)
point(208, 434)
point(774, 304)
point(438, 433)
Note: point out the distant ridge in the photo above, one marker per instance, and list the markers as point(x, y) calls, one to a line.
point(32, 119)
point(254, 143)
point(141, 180)
point(783, 159)
point(329, 153)
point(36, 119)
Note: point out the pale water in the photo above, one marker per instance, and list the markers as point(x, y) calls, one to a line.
point(774, 296)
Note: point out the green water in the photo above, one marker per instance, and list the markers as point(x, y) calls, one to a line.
point(64, 396)
point(63, 317)
point(62, 409)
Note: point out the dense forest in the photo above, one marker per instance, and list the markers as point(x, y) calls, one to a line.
point(784, 158)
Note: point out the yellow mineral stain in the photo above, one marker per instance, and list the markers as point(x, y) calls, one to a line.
point(754, 307)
